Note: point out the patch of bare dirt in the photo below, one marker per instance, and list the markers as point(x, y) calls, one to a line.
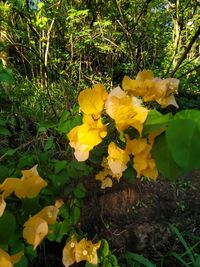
point(136, 217)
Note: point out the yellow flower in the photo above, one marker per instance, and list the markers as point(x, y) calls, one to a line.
point(87, 251)
point(152, 89)
point(69, 252)
point(30, 184)
point(9, 185)
point(84, 250)
point(83, 138)
point(166, 90)
point(91, 101)
point(35, 230)
point(117, 159)
point(143, 162)
point(125, 111)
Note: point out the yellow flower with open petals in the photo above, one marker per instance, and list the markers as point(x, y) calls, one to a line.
point(125, 111)
point(30, 184)
point(91, 101)
point(84, 250)
point(69, 252)
point(35, 230)
point(83, 138)
point(117, 159)
point(87, 251)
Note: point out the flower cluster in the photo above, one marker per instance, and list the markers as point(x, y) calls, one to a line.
point(84, 250)
point(143, 162)
point(28, 186)
point(152, 89)
point(84, 137)
point(126, 109)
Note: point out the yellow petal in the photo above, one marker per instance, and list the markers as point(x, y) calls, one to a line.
point(35, 230)
point(69, 253)
point(49, 214)
point(81, 251)
point(91, 101)
point(30, 184)
point(136, 146)
point(2, 204)
point(145, 75)
point(5, 259)
point(92, 250)
point(17, 257)
point(150, 173)
point(107, 182)
point(83, 138)
point(58, 203)
point(9, 185)
point(87, 251)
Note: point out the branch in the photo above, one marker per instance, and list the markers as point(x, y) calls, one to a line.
point(187, 49)
point(189, 71)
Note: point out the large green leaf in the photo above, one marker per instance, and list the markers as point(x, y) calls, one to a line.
point(164, 161)
point(7, 227)
point(184, 144)
point(156, 121)
point(192, 114)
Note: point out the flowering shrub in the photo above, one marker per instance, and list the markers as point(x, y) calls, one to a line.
point(131, 139)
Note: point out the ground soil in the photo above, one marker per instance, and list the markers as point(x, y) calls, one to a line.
point(137, 217)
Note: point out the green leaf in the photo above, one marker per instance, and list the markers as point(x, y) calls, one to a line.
point(66, 125)
point(58, 230)
point(59, 165)
point(7, 227)
point(4, 131)
point(164, 161)
point(30, 253)
point(79, 191)
point(49, 143)
point(61, 178)
point(75, 215)
point(156, 121)
point(104, 250)
point(4, 172)
point(182, 137)
point(10, 152)
point(132, 257)
point(22, 263)
point(188, 114)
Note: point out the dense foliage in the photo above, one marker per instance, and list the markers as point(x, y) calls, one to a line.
point(50, 52)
